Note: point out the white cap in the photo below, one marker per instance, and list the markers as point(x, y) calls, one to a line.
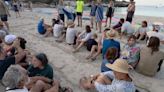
point(9, 39)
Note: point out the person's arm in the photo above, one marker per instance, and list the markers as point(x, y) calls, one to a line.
point(36, 78)
point(20, 52)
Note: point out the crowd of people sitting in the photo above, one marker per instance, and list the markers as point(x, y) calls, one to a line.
point(115, 60)
point(21, 71)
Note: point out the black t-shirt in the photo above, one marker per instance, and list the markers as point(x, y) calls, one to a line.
point(4, 64)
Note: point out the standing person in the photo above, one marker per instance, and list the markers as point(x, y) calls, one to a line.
point(110, 12)
point(130, 11)
point(30, 5)
point(99, 15)
point(16, 9)
point(79, 11)
point(69, 11)
point(60, 10)
point(4, 13)
point(93, 12)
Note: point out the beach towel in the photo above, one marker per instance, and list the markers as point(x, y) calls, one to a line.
point(99, 13)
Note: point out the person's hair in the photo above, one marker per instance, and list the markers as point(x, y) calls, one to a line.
point(132, 37)
point(88, 29)
point(83, 81)
point(13, 76)
point(43, 58)
point(22, 42)
point(122, 20)
point(131, 0)
point(145, 22)
point(112, 53)
point(55, 21)
point(154, 44)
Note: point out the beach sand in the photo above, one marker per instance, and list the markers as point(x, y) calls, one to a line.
point(68, 67)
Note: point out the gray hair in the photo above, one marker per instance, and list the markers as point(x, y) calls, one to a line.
point(13, 76)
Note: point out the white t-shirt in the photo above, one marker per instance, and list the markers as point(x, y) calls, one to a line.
point(156, 34)
point(127, 28)
point(85, 36)
point(116, 85)
point(18, 90)
point(70, 35)
point(142, 30)
point(57, 30)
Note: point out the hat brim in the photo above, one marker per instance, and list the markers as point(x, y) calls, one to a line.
point(117, 69)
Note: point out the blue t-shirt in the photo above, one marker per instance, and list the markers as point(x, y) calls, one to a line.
point(103, 65)
point(108, 43)
point(41, 27)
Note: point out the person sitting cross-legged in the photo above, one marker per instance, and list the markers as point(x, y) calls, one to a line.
point(117, 80)
point(83, 38)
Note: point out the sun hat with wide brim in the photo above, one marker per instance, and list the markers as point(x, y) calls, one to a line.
point(111, 34)
point(70, 23)
point(120, 65)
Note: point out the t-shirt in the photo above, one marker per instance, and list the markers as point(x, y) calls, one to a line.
point(127, 28)
point(142, 30)
point(17, 90)
point(57, 30)
point(93, 10)
point(156, 34)
point(41, 27)
point(70, 35)
point(132, 53)
point(116, 85)
point(85, 36)
point(79, 6)
point(4, 64)
point(148, 63)
point(46, 72)
point(108, 43)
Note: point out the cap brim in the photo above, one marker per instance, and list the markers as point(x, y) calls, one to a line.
point(117, 69)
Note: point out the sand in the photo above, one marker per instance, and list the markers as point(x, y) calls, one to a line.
point(68, 67)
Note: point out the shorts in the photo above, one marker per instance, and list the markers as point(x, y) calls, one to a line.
point(16, 8)
point(79, 14)
point(4, 18)
point(90, 43)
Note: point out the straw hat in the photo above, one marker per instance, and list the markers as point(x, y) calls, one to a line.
point(111, 34)
point(120, 65)
point(70, 23)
